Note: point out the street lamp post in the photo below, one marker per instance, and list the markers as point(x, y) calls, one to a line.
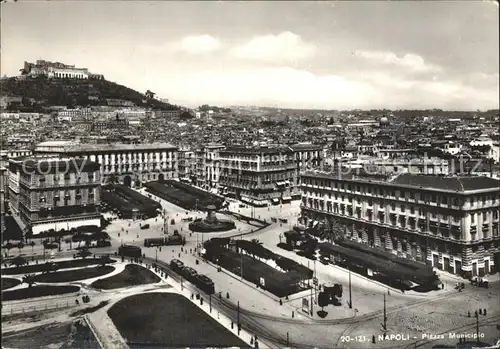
point(239, 324)
point(350, 293)
point(156, 254)
point(476, 315)
point(384, 325)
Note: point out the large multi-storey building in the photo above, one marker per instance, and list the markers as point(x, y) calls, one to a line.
point(208, 166)
point(131, 164)
point(308, 155)
point(54, 193)
point(3, 178)
point(187, 163)
point(259, 175)
point(449, 222)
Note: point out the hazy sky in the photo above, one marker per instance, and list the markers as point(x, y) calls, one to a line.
point(337, 55)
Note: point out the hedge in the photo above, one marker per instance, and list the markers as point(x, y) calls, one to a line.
point(384, 266)
point(382, 254)
point(184, 196)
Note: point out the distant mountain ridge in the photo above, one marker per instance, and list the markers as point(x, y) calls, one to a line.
point(40, 93)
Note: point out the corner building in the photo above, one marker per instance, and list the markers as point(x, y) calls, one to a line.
point(451, 223)
point(259, 175)
point(53, 193)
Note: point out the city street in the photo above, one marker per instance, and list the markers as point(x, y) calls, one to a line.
point(411, 312)
point(367, 296)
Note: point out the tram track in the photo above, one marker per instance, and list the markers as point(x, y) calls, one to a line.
point(250, 319)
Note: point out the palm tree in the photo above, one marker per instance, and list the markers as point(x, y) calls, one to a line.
point(255, 245)
point(29, 279)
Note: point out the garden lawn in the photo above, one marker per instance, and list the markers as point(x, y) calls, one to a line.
point(132, 275)
point(74, 275)
point(37, 268)
point(168, 320)
point(9, 283)
point(38, 291)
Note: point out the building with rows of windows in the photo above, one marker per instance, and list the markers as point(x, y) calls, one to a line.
point(3, 186)
point(259, 175)
point(449, 222)
point(54, 193)
point(130, 164)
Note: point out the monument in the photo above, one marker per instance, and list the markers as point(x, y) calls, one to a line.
point(211, 223)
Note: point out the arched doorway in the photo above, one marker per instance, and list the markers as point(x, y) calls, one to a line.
point(161, 177)
point(127, 181)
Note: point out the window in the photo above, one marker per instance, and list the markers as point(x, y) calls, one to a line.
point(403, 208)
point(471, 201)
point(444, 200)
point(485, 216)
point(455, 201)
point(393, 207)
point(473, 218)
point(412, 210)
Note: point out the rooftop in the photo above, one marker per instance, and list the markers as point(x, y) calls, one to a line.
point(453, 183)
point(76, 147)
point(450, 183)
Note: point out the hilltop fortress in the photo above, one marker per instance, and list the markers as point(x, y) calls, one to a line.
point(57, 70)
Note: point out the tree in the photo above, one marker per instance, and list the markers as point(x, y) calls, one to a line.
point(32, 244)
point(20, 246)
point(149, 94)
point(29, 279)
point(49, 267)
point(18, 261)
point(254, 247)
point(112, 179)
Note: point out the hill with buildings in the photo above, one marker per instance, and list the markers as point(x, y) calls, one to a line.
point(39, 93)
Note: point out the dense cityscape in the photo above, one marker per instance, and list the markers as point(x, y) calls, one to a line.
point(129, 220)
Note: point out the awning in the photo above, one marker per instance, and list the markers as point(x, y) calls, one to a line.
point(276, 200)
point(286, 198)
point(280, 183)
